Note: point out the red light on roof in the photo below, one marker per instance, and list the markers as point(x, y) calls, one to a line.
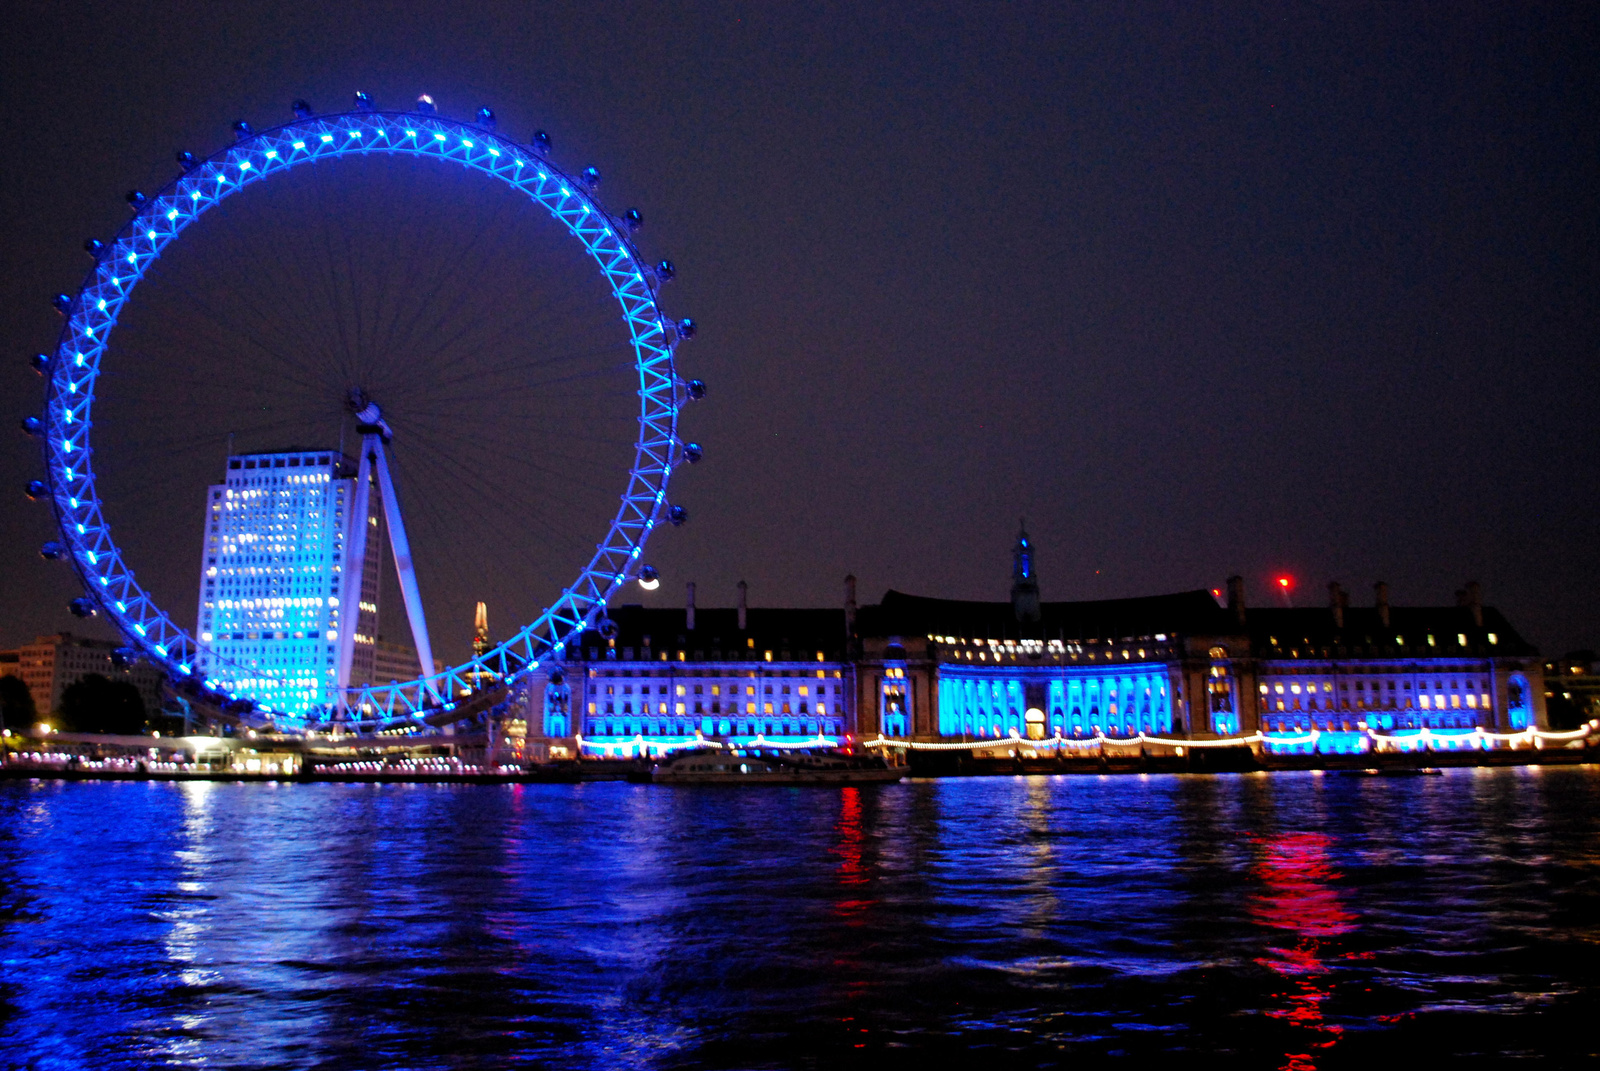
point(1216, 593)
point(1284, 582)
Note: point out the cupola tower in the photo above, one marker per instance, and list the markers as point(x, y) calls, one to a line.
point(1024, 583)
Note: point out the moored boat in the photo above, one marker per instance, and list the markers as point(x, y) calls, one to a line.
point(771, 766)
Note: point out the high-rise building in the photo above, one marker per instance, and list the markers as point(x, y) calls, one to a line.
point(271, 575)
point(479, 678)
point(393, 662)
point(51, 664)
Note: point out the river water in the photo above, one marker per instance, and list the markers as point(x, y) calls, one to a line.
point(1285, 921)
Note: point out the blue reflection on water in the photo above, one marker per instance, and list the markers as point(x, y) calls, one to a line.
point(1291, 921)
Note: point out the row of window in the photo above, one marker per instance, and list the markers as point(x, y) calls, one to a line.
point(714, 707)
point(604, 728)
point(716, 689)
point(648, 654)
point(292, 461)
point(693, 674)
point(1295, 687)
point(1345, 723)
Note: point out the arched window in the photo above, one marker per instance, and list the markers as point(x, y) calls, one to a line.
point(1220, 694)
point(1519, 706)
point(557, 707)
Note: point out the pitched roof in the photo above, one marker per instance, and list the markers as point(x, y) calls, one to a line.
point(1185, 613)
point(1180, 613)
point(1408, 630)
point(717, 629)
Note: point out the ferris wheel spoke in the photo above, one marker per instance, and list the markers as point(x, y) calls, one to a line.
point(446, 419)
point(442, 529)
point(306, 278)
point(275, 384)
point(347, 298)
point(218, 344)
point(496, 497)
point(506, 311)
point(491, 385)
point(508, 315)
point(226, 274)
point(404, 336)
point(510, 454)
point(470, 349)
point(393, 331)
point(204, 381)
point(443, 532)
point(385, 337)
point(439, 428)
point(512, 449)
point(352, 289)
point(298, 347)
point(510, 461)
point(479, 377)
point(226, 335)
point(513, 407)
point(557, 476)
point(331, 289)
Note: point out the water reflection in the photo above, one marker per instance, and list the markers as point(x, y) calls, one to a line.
point(850, 850)
point(1298, 896)
point(1009, 922)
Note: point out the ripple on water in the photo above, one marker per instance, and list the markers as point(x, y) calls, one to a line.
point(1287, 921)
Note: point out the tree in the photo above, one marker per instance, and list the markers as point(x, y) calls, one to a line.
point(16, 704)
point(96, 704)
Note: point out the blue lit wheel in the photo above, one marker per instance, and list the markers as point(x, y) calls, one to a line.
point(419, 393)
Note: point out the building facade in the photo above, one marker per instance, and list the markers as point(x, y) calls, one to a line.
point(1184, 665)
point(397, 662)
point(270, 579)
point(668, 676)
point(51, 664)
point(1572, 689)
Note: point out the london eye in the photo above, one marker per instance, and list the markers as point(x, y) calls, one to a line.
point(457, 322)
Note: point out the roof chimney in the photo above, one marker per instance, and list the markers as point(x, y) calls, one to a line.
point(744, 605)
point(849, 606)
point(1475, 602)
point(1337, 601)
point(1380, 595)
point(689, 616)
point(1236, 598)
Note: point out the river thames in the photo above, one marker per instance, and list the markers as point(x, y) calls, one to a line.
point(1285, 920)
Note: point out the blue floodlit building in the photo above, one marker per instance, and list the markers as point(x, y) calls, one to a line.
point(663, 676)
point(270, 575)
point(1183, 665)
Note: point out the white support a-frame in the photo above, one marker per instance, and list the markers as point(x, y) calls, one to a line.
point(375, 461)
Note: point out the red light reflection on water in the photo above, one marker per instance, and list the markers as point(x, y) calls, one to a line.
point(1298, 896)
point(853, 874)
point(852, 870)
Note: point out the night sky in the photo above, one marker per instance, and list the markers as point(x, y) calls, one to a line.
point(1195, 290)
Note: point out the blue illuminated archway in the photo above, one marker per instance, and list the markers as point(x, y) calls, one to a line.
point(159, 219)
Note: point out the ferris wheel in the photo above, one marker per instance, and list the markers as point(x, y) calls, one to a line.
point(384, 405)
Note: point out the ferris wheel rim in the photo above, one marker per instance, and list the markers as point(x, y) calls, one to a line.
point(159, 219)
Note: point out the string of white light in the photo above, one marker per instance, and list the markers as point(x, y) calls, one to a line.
point(1409, 741)
point(640, 741)
point(1530, 735)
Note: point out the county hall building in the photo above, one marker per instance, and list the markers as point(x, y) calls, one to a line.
point(1186, 665)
